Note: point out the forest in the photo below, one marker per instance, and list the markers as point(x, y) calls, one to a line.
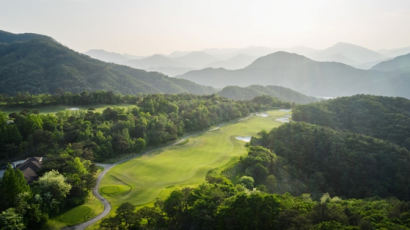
point(150, 121)
point(377, 116)
point(303, 158)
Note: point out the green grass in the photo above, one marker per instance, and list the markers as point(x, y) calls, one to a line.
point(92, 207)
point(59, 108)
point(143, 179)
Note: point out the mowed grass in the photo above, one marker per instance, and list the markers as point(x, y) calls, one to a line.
point(61, 108)
point(91, 208)
point(143, 179)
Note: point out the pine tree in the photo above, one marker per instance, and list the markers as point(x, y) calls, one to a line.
point(12, 184)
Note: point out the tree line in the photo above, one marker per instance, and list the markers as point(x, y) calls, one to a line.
point(381, 117)
point(150, 121)
point(221, 204)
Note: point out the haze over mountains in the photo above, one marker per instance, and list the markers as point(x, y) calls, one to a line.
point(38, 64)
point(400, 64)
point(178, 62)
point(306, 76)
point(181, 62)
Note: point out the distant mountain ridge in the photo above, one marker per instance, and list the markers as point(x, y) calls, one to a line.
point(250, 92)
point(180, 62)
point(350, 54)
point(38, 64)
point(305, 75)
point(397, 64)
point(111, 57)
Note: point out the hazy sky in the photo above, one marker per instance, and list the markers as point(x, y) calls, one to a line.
point(144, 27)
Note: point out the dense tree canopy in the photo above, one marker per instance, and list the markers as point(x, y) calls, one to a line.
point(318, 159)
point(382, 117)
point(219, 204)
point(153, 120)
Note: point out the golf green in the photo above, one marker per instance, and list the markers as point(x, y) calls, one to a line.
point(143, 179)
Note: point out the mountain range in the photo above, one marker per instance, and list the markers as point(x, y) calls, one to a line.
point(178, 62)
point(38, 64)
point(327, 79)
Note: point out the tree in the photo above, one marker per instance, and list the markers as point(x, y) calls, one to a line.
point(124, 219)
point(12, 184)
point(255, 211)
point(53, 189)
point(10, 220)
point(247, 181)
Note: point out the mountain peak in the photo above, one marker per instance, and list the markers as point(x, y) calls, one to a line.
point(278, 58)
point(7, 37)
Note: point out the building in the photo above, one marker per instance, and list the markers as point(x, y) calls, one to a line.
point(30, 167)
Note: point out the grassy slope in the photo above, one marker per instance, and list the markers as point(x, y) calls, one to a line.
point(92, 207)
point(145, 178)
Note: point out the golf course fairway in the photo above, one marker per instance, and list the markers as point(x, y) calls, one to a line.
point(145, 178)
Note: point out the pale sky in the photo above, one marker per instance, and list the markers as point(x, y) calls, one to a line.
point(144, 27)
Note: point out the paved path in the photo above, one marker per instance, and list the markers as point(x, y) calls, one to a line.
point(107, 206)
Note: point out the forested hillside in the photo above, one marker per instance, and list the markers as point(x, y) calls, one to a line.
point(382, 117)
point(38, 64)
point(282, 93)
point(316, 159)
point(152, 120)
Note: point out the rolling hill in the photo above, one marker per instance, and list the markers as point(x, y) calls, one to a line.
point(399, 64)
point(387, 118)
point(250, 92)
point(322, 79)
point(38, 64)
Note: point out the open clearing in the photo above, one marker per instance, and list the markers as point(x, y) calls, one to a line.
point(145, 178)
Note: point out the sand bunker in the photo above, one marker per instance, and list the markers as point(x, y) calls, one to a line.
point(244, 138)
point(262, 115)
